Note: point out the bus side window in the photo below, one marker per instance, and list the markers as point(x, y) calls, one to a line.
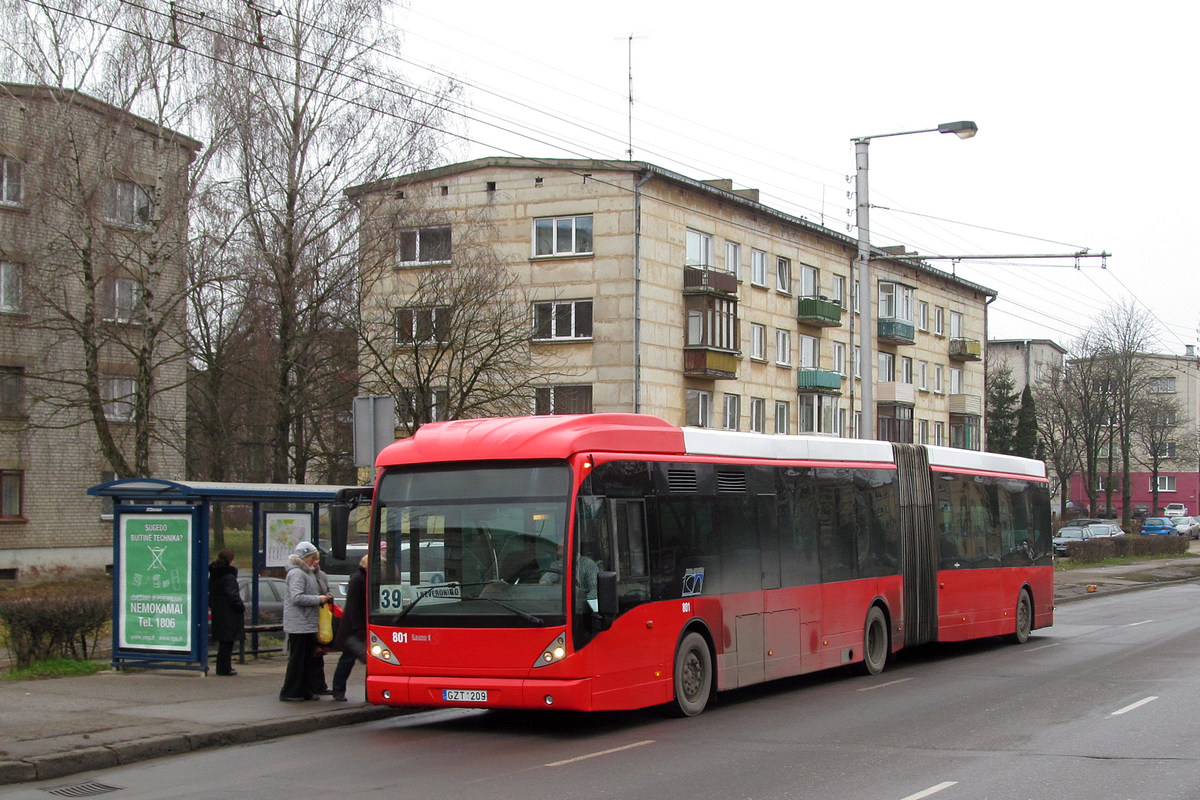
point(632, 565)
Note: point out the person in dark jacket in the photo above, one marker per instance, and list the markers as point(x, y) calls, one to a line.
point(351, 636)
point(228, 610)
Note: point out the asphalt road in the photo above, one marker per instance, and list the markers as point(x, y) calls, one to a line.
point(1101, 706)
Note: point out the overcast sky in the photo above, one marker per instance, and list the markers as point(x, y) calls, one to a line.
point(1085, 115)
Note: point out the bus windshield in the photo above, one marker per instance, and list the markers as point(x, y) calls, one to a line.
point(473, 546)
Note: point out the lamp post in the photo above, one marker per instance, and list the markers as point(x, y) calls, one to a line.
point(867, 333)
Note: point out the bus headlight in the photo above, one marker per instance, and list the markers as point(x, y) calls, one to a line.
point(377, 648)
point(556, 651)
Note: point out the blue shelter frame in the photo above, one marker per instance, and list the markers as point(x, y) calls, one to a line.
point(155, 495)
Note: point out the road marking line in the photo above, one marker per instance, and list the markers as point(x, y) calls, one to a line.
point(601, 753)
point(1135, 624)
point(1132, 706)
point(882, 685)
point(931, 790)
point(1041, 647)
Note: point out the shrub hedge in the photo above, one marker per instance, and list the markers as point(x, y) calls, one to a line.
point(1103, 548)
point(42, 626)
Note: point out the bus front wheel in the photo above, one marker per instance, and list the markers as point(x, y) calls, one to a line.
point(693, 675)
point(1024, 619)
point(875, 642)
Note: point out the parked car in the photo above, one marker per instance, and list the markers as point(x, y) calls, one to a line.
point(1105, 529)
point(1068, 534)
point(1175, 510)
point(1158, 526)
point(1187, 526)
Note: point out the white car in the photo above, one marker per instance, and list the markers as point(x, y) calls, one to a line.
point(1175, 510)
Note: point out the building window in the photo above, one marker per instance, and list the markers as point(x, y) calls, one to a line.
point(563, 400)
point(923, 315)
point(906, 370)
point(10, 181)
point(122, 299)
point(857, 362)
point(127, 203)
point(887, 367)
point(10, 391)
point(782, 412)
point(839, 358)
point(569, 319)
point(556, 236)
point(426, 405)
point(1164, 450)
point(956, 380)
point(1162, 385)
point(783, 275)
point(939, 434)
point(758, 341)
point(783, 347)
point(699, 250)
point(425, 246)
point(810, 352)
point(956, 325)
point(712, 322)
point(923, 429)
point(10, 287)
point(117, 395)
point(1166, 483)
point(758, 414)
point(758, 267)
point(699, 408)
point(10, 494)
point(939, 321)
point(415, 325)
point(810, 281)
point(937, 378)
point(923, 376)
point(733, 259)
point(895, 301)
point(819, 413)
point(733, 412)
point(838, 291)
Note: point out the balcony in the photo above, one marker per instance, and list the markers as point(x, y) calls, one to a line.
point(819, 311)
point(716, 365)
point(821, 381)
point(897, 331)
point(895, 393)
point(970, 405)
point(708, 281)
point(966, 349)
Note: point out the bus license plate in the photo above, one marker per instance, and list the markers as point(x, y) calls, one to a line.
point(464, 695)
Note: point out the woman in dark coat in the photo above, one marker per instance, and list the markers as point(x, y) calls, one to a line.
point(228, 610)
point(351, 636)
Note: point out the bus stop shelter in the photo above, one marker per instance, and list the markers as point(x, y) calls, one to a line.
point(161, 553)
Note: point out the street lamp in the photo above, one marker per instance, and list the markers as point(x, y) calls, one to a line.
point(963, 130)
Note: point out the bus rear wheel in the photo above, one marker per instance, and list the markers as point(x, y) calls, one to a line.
point(693, 675)
point(1024, 619)
point(875, 642)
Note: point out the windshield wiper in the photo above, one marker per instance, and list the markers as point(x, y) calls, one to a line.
point(525, 615)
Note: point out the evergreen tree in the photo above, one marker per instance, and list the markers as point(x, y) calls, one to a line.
point(1026, 441)
point(1002, 411)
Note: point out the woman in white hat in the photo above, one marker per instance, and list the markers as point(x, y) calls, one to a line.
point(300, 606)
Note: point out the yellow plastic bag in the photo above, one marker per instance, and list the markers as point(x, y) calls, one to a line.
point(325, 624)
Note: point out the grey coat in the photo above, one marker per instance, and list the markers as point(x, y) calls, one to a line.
point(303, 598)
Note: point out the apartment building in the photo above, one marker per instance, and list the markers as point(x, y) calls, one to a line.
point(692, 300)
point(1028, 360)
point(92, 245)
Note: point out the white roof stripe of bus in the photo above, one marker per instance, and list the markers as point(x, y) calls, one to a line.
point(702, 441)
point(991, 462)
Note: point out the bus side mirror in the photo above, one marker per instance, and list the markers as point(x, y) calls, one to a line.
point(606, 595)
point(339, 526)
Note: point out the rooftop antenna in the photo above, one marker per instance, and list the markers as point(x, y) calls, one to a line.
point(629, 152)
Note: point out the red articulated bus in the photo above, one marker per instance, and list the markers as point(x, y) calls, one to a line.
point(615, 561)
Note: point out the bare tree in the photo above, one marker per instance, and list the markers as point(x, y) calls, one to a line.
point(1057, 428)
point(1159, 434)
point(312, 109)
point(453, 340)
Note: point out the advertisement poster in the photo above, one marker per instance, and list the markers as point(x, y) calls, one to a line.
point(155, 580)
point(284, 532)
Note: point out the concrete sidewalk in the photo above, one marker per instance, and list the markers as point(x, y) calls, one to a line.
point(54, 728)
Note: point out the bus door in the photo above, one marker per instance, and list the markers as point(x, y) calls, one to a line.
point(919, 545)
